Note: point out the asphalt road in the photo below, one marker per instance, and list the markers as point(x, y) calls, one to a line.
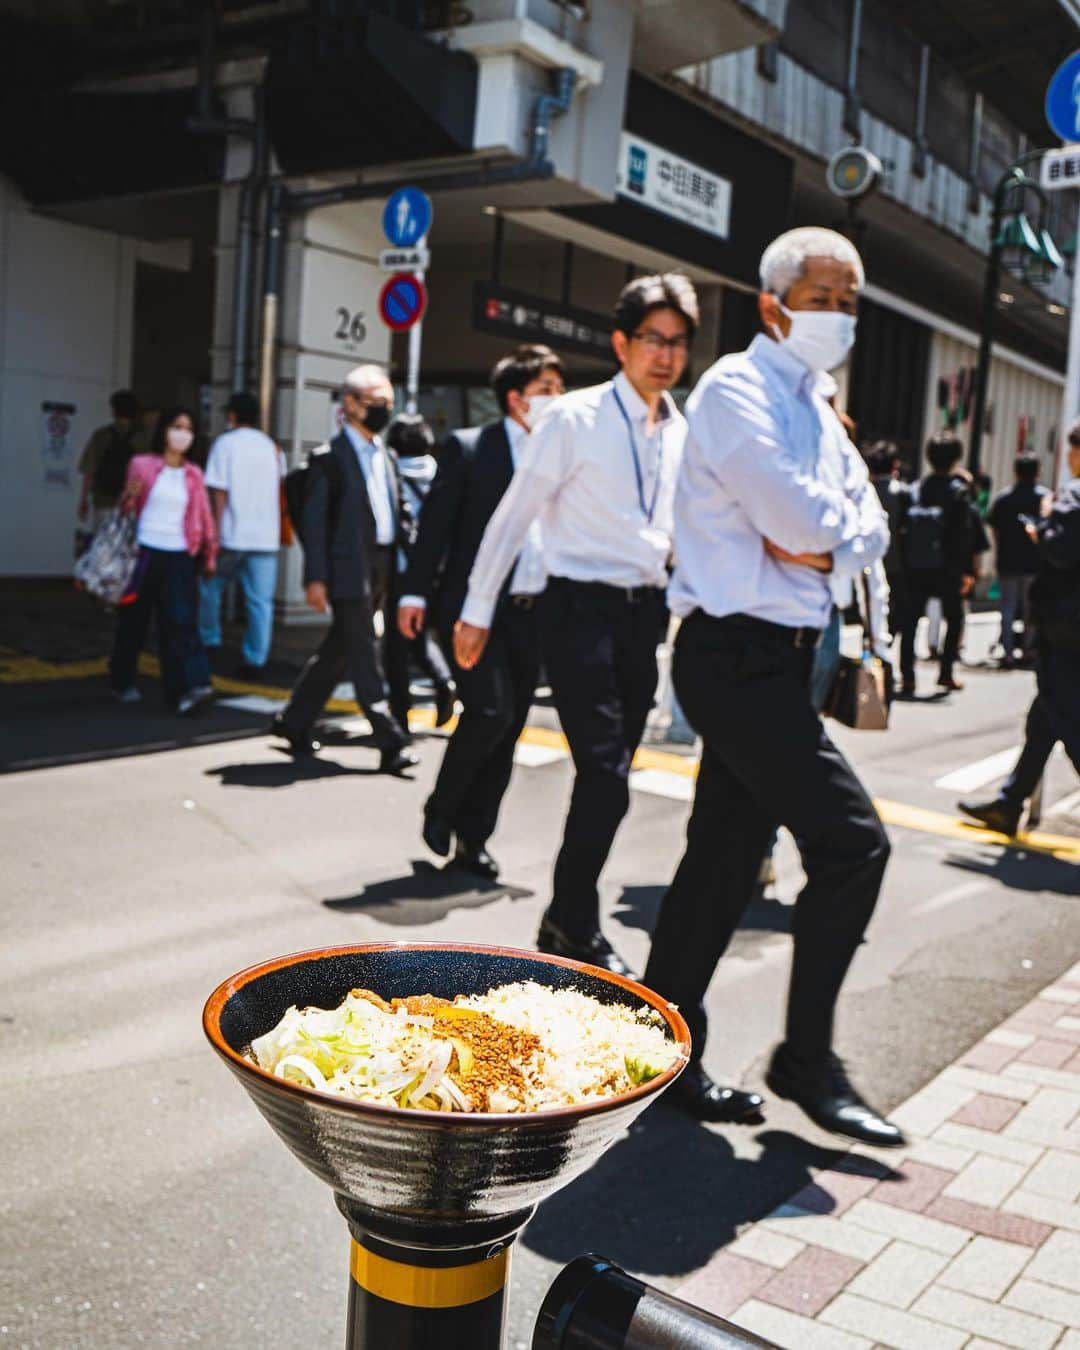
point(146, 1202)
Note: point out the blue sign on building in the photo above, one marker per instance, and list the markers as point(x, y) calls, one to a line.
point(1063, 99)
point(407, 217)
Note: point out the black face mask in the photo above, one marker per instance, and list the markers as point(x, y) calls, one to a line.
point(376, 417)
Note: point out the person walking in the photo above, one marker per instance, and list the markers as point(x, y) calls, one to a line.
point(773, 502)
point(1055, 712)
point(411, 440)
point(244, 473)
point(352, 526)
point(942, 534)
point(104, 462)
point(475, 469)
point(175, 533)
point(1017, 556)
point(884, 464)
point(599, 473)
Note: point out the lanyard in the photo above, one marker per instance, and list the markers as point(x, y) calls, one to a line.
point(647, 511)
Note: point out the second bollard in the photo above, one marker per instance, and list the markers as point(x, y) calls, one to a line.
point(594, 1305)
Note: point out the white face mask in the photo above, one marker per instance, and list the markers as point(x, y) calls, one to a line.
point(820, 340)
point(179, 438)
point(538, 406)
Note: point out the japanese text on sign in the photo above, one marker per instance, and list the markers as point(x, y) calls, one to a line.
point(672, 185)
point(1061, 168)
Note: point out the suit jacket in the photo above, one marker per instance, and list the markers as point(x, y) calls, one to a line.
point(475, 469)
point(338, 523)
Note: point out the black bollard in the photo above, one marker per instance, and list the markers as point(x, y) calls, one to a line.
point(594, 1305)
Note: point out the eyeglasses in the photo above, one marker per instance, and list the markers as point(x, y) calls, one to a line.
point(656, 342)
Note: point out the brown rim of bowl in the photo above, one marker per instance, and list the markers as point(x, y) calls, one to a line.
point(422, 1115)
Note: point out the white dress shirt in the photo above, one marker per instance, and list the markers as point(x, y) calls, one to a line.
point(767, 458)
point(577, 476)
point(371, 456)
point(529, 576)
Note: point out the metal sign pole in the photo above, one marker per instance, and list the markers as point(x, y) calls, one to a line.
point(416, 333)
point(1070, 403)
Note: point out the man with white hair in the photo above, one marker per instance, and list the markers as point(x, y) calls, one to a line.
point(351, 528)
point(773, 504)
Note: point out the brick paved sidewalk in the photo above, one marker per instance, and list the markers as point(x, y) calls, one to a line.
point(968, 1238)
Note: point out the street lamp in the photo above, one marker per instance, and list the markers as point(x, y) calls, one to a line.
point(1017, 246)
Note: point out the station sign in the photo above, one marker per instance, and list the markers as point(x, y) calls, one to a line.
point(1061, 168)
point(676, 187)
point(532, 318)
point(405, 259)
point(402, 301)
point(407, 217)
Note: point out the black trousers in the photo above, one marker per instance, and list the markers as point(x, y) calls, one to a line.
point(351, 647)
point(766, 761)
point(496, 696)
point(1053, 716)
point(599, 646)
point(167, 589)
point(921, 586)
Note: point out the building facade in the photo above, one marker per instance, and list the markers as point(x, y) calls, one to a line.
point(193, 201)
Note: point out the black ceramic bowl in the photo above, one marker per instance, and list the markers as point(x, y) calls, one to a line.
point(426, 1172)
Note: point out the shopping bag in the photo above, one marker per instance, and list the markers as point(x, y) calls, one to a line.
point(862, 690)
point(106, 568)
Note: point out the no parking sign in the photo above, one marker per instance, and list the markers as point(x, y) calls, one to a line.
point(403, 301)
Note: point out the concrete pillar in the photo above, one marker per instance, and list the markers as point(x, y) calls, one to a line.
point(329, 324)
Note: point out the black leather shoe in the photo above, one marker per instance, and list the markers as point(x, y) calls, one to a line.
point(829, 1099)
point(300, 743)
point(705, 1099)
point(397, 760)
point(997, 815)
point(477, 860)
point(595, 951)
point(445, 703)
point(437, 834)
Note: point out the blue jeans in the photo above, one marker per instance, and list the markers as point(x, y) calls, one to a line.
point(256, 570)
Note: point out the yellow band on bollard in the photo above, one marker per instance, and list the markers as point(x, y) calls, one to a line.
point(428, 1286)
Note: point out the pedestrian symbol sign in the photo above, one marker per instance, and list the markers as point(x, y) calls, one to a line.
point(1063, 99)
point(403, 301)
point(407, 217)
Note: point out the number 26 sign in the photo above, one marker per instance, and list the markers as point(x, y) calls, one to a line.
point(349, 327)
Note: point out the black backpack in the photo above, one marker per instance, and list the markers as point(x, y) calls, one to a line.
point(924, 535)
point(111, 473)
point(297, 485)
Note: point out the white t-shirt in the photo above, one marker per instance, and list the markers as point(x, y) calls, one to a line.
point(161, 521)
point(249, 467)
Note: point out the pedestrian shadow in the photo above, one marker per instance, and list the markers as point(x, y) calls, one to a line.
point(660, 1217)
point(426, 894)
point(638, 907)
point(285, 772)
point(1021, 869)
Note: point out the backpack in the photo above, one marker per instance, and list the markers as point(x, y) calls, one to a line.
point(297, 484)
point(111, 473)
point(924, 535)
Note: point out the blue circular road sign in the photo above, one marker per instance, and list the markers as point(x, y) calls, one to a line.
point(1063, 99)
point(407, 217)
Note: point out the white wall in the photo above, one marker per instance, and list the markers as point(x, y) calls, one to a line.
point(66, 311)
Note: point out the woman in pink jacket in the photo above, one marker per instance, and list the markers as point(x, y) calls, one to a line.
point(176, 533)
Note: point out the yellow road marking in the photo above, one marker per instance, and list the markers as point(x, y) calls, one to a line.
point(15, 669)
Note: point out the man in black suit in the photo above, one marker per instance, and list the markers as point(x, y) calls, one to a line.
point(352, 526)
point(475, 469)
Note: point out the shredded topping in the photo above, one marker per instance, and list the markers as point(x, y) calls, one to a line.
point(522, 1047)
